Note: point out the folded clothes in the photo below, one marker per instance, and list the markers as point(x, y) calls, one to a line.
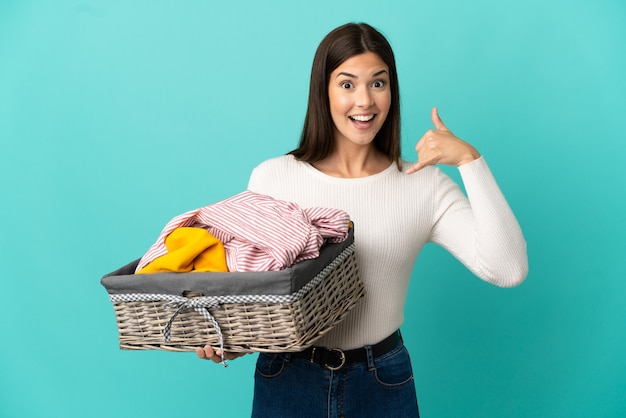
point(259, 233)
point(189, 249)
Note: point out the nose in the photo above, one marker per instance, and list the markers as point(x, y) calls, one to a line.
point(364, 97)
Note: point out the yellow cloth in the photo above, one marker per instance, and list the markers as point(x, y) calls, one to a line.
point(189, 249)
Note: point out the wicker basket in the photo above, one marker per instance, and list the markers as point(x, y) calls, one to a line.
point(181, 311)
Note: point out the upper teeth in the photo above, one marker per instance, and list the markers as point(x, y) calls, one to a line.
point(362, 118)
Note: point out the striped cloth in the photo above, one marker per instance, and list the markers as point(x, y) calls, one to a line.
point(260, 233)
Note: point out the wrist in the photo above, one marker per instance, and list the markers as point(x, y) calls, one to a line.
point(473, 155)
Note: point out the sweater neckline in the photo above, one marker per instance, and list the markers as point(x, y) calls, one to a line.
point(352, 180)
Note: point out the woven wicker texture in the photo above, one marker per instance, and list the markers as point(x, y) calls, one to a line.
point(245, 327)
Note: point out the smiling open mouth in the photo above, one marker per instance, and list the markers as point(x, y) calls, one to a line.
point(361, 118)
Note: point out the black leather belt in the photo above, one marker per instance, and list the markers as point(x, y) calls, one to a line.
point(335, 358)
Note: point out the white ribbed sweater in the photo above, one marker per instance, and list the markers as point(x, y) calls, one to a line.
point(394, 216)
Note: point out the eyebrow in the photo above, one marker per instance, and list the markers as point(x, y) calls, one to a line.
point(354, 76)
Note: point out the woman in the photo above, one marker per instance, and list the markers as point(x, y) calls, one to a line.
point(349, 158)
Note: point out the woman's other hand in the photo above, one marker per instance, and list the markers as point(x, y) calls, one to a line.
point(440, 146)
point(209, 353)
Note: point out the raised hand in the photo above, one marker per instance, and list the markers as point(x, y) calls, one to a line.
point(440, 146)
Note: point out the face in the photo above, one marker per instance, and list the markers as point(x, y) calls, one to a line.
point(360, 97)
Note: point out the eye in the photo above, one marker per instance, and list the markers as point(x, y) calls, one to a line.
point(346, 85)
point(378, 84)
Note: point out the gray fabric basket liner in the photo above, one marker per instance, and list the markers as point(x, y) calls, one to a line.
point(283, 282)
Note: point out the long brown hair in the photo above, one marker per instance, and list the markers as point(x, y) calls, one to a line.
point(317, 140)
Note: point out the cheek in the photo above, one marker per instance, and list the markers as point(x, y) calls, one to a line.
point(385, 102)
point(339, 103)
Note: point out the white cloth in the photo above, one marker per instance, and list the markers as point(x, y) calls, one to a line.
point(394, 216)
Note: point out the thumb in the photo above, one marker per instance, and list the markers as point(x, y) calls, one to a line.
point(434, 115)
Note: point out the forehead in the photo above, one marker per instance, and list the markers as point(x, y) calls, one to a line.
point(362, 64)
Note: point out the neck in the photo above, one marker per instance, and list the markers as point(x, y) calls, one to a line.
point(353, 163)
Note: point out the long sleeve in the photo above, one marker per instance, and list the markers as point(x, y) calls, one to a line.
point(395, 214)
point(480, 230)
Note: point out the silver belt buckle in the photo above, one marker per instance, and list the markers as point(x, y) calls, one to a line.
point(342, 357)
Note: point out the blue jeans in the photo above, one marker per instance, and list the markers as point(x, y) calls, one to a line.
point(290, 387)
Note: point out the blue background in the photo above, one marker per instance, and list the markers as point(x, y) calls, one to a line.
point(116, 116)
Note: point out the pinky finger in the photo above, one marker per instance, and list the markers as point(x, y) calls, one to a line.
point(200, 353)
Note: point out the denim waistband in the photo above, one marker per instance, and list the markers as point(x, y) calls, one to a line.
point(335, 358)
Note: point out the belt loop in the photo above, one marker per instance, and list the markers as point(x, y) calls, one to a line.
point(370, 357)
